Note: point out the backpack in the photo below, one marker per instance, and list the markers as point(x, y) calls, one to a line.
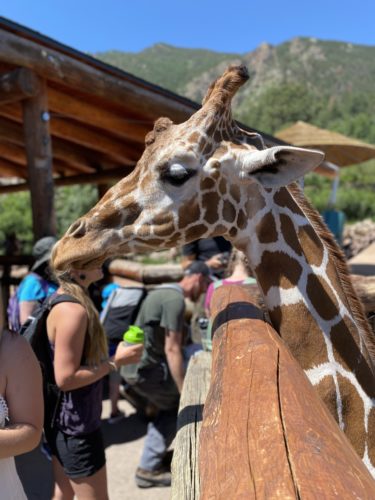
point(121, 310)
point(35, 331)
point(13, 309)
point(123, 306)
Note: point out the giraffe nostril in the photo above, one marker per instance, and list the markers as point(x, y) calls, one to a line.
point(77, 229)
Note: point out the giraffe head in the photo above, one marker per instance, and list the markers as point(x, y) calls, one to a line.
point(187, 185)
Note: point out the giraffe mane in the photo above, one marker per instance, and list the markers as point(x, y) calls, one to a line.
point(326, 236)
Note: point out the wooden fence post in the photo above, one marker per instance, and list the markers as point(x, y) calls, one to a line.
point(266, 434)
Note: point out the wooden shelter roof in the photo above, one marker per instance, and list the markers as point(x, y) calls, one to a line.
point(95, 115)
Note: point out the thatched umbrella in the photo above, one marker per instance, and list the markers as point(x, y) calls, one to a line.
point(338, 148)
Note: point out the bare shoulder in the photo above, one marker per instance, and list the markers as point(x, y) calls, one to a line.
point(14, 347)
point(71, 310)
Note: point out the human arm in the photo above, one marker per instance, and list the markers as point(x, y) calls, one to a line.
point(173, 352)
point(68, 322)
point(24, 397)
point(31, 291)
point(26, 309)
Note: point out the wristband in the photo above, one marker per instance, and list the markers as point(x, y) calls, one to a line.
point(112, 366)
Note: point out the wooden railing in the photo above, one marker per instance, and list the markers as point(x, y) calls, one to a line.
point(265, 432)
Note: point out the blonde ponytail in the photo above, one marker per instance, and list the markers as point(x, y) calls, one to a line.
point(95, 348)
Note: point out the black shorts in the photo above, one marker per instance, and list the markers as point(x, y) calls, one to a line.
point(80, 456)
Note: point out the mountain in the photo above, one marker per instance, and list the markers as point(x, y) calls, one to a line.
point(327, 83)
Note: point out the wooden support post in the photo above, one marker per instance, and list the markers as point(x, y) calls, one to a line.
point(265, 432)
point(19, 84)
point(39, 162)
point(185, 466)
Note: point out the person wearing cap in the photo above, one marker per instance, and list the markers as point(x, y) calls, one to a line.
point(37, 284)
point(161, 371)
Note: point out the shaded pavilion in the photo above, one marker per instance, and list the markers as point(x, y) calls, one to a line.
point(338, 148)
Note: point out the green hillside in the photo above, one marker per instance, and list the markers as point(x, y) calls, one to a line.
point(330, 84)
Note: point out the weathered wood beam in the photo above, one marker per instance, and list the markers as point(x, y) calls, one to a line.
point(12, 152)
point(97, 116)
point(185, 463)
point(109, 84)
point(82, 135)
point(146, 273)
point(39, 163)
point(265, 432)
point(79, 157)
point(11, 169)
point(16, 154)
point(104, 176)
point(17, 85)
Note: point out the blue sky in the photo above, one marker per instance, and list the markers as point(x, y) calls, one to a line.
point(230, 26)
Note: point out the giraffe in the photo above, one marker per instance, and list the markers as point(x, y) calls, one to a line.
point(208, 177)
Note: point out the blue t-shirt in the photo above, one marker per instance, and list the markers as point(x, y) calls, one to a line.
point(106, 292)
point(34, 287)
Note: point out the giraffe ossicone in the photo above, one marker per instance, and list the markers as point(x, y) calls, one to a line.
point(207, 177)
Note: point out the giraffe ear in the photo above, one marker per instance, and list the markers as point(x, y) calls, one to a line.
point(278, 166)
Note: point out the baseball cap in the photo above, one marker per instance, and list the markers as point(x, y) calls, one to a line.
point(199, 267)
point(42, 251)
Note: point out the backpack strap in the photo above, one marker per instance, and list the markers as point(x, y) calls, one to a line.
point(62, 297)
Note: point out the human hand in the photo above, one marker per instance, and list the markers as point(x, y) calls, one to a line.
point(216, 261)
point(128, 354)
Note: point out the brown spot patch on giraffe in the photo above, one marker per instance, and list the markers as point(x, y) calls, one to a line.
point(344, 337)
point(305, 341)
point(220, 229)
point(111, 218)
point(311, 244)
point(218, 136)
point(154, 242)
point(194, 137)
point(210, 203)
point(222, 186)
point(255, 201)
point(277, 269)
point(284, 199)
point(195, 232)
point(321, 296)
point(353, 414)
point(207, 150)
point(327, 392)
point(371, 432)
point(164, 230)
point(144, 231)
point(241, 220)
point(266, 229)
point(115, 218)
point(289, 233)
point(188, 213)
point(229, 212)
point(233, 231)
point(207, 183)
point(235, 193)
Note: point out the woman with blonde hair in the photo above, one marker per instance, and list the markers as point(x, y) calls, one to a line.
point(81, 360)
point(21, 407)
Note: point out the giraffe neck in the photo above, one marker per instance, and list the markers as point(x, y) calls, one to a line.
point(311, 302)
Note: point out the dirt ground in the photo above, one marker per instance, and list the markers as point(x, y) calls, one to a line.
point(123, 442)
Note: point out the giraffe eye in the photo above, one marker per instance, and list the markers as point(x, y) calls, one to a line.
point(177, 174)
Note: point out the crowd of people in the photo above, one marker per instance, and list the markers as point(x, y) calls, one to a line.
point(84, 355)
